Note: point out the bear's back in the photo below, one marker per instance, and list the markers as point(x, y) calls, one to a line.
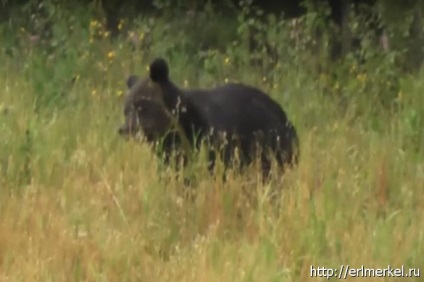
point(237, 105)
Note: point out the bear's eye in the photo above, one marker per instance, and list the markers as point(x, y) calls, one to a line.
point(140, 109)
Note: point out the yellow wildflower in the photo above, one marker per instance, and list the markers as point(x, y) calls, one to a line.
point(94, 24)
point(227, 60)
point(121, 24)
point(362, 77)
point(337, 86)
point(111, 55)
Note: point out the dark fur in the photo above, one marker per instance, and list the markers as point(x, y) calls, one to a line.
point(246, 115)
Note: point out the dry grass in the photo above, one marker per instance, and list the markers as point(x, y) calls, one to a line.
point(79, 204)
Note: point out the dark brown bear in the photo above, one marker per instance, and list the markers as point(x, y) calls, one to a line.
point(226, 117)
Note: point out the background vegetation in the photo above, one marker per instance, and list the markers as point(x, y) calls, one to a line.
point(77, 203)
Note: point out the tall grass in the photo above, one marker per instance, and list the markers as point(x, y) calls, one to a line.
point(80, 204)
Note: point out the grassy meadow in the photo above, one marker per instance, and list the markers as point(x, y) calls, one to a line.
point(79, 203)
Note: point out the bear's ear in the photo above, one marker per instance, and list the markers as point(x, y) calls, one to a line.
point(159, 71)
point(131, 80)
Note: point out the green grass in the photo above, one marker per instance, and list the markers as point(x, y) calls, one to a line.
point(78, 203)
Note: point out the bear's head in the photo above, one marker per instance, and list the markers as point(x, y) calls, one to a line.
point(150, 103)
